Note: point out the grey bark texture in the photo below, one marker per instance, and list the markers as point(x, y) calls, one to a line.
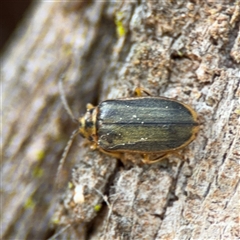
point(186, 50)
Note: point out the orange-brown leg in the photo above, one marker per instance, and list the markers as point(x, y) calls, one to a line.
point(115, 154)
point(89, 106)
point(140, 90)
point(147, 160)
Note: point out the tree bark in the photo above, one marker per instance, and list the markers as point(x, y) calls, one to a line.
point(189, 51)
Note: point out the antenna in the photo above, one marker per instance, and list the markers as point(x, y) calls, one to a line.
point(64, 100)
point(65, 152)
point(60, 232)
point(74, 133)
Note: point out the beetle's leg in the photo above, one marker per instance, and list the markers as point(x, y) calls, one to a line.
point(89, 106)
point(147, 160)
point(115, 155)
point(139, 90)
point(93, 146)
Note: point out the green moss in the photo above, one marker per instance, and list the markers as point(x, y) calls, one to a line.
point(37, 172)
point(70, 185)
point(237, 111)
point(121, 31)
point(180, 54)
point(67, 49)
point(97, 207)
point(55, 221)
point(30, 203)
point(40, 155)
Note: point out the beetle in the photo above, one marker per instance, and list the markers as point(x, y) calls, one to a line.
point(145, 125)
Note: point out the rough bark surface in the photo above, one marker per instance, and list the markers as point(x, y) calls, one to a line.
point(186, 50)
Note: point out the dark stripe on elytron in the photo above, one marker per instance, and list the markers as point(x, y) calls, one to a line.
point(154, 124)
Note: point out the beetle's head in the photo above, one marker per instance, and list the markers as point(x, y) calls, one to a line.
point(87, 125)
